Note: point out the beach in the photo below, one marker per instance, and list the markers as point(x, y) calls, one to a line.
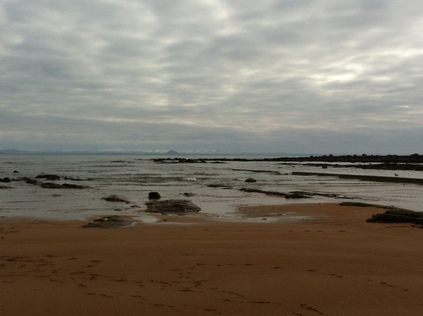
point(332, 263)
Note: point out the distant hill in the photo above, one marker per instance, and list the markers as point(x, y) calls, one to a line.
point(171, 153)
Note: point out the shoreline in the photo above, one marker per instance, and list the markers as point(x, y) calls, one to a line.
point(335, 264)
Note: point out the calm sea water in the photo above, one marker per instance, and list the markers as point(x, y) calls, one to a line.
point(133, 177)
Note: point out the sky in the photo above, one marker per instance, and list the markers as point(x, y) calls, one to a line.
point(292, 76)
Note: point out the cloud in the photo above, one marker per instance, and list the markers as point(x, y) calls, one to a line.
point(292, 76)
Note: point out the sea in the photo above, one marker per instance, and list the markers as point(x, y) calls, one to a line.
point(217, 187)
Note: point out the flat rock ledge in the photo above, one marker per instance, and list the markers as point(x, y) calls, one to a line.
point(392, 215)
point(116, 198)
point(398, 216)
point(113, 221)
point(179, 207)
point(50, 185)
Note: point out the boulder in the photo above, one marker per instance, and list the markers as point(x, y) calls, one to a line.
point(154, 196)
point(251, 180)
point(179, 207)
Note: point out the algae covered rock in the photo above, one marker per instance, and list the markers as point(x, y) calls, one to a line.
point(398, 216)
point(179, 207)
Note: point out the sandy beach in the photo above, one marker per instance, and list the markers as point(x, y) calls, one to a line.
point(335, 264)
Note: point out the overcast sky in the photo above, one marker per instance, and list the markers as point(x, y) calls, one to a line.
point(291, 76)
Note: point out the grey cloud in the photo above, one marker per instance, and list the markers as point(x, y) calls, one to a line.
point(294, 75)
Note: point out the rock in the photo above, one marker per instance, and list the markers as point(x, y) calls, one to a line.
point(154, 196)
point(179, 207)
point(5, 180)
point(188, 194)
point(50, 177)
point(30, 181)
point(116, 198)
point(398, 216)
point(218, 185)
point(114, 221)
point(296, 195)
point(50, 185)
point(272, 193)
point(73, 179)
point(251, 180)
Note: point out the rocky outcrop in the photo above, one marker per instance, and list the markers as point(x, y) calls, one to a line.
point(30, 181)
point(179, 207)
point(398, 216)
point(50, 177)
point(116, 198)
point(394, 179)
point(297, 195)
point(219, 185)
point(50, 185)
point(293, 194)
point(391, 215)
point(389, 161)
point(273, 193)
point(114, 221)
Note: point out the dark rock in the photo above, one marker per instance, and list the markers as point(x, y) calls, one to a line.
point(391, 215)
point(114, 221)
point(5, 180)
point(218, 185)
point(362, 177)
point(251, 180)
point(154, 196)
point(50, 177)
point(172, 206)
point(30, 181)
point(50, 185)
point(398, 216)
point(116, 198)
point(4, 187)
point(188, 194)
point(297, 195)
point(72, 179)
point(273, 193)
point(15, 171)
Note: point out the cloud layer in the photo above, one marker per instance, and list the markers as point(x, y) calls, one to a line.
point(269, 76)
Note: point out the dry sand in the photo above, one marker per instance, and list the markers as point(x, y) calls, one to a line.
point(336, 264)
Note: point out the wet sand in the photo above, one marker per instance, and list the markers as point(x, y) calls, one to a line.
point(335, 264)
